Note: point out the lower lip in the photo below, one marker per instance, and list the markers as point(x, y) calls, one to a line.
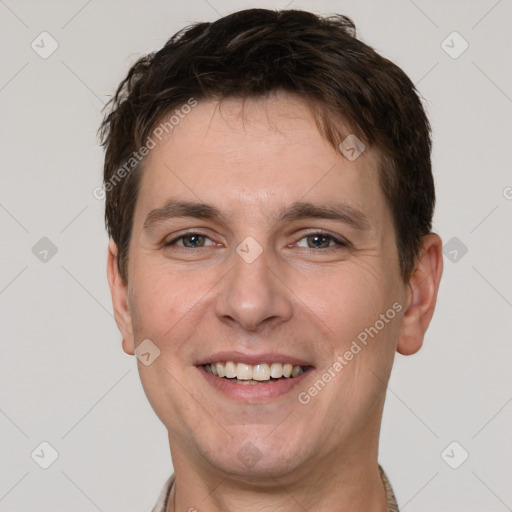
point(253, 392)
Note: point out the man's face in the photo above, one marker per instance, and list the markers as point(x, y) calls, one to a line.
point(267, 283)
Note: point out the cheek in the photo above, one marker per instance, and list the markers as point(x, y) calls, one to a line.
point(157, 303)
point(350, 303)
point(160, 295)
point(169, 308)
point(350, 299)
point(370, 325)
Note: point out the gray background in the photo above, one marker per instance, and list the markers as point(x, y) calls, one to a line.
point(64, 378)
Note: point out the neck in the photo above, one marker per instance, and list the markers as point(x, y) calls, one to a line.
point(348, 483)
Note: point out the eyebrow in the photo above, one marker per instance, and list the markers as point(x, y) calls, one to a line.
point(338, 211)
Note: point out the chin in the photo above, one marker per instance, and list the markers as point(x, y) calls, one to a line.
point(254, 452)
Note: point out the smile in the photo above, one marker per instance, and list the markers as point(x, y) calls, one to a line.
point(254, 378)
point(243, 373)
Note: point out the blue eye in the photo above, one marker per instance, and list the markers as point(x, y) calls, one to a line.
point(316, 241)
point(319, 241)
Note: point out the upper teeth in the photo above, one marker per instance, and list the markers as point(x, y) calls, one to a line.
point(262, 371)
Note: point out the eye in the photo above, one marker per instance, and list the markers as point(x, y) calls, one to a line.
point(322, 240)
point(190, 240)
point(315, 240)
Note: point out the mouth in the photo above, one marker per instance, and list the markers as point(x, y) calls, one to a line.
point(247, 374)
point(253, 378)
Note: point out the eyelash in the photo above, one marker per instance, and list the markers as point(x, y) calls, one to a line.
point(338, 241)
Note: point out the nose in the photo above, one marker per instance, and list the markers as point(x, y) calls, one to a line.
point(254, 294)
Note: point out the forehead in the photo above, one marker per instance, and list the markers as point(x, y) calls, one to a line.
point(262, 153)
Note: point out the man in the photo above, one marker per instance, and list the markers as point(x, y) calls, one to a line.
point(269, 199)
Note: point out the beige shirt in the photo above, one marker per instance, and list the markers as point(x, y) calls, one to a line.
point(161, 505)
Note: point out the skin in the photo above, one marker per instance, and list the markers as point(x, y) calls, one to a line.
point(302, 296)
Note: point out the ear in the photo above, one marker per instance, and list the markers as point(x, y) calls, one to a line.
point(421, 295)
point(119, 292)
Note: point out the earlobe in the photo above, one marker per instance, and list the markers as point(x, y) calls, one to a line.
point(119, 293)
point(422, 295)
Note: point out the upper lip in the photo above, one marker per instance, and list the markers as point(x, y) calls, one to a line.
point(252, 359)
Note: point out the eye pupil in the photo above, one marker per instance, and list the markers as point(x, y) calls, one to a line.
point(196, 239)
point(316, 238)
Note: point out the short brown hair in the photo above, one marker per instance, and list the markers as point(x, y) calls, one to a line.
point(255, 52)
